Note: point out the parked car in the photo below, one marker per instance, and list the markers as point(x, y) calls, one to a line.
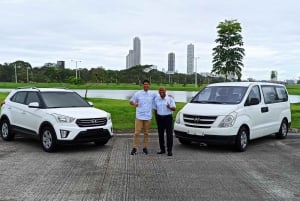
point(234, 112)
point(55, 116)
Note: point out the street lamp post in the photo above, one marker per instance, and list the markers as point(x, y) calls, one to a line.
point(76, 68)
point(16, 77)
point(196, 77)
point(27, 76)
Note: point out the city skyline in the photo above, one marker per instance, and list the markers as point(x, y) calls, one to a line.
point(99, 33)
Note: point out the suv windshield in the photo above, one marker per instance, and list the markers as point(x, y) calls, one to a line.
point(220, 95)
point(63, 99)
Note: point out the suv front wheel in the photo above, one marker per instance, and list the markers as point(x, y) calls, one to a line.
point(6, 132)
point(48, 139)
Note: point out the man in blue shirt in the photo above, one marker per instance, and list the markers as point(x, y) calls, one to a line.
point(143, 101)
point(164, 107)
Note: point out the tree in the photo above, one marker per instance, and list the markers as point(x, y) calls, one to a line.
point(228, 54)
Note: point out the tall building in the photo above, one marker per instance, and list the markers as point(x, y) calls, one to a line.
point(61, 64)
point(137, 51)
point(171, 62)
point(190, 59)
point(134, 56)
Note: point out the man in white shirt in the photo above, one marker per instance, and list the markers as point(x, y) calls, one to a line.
point(143, 101)
point(164, 107)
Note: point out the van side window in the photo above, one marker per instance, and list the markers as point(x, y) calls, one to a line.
point(254, 93)
point(274, 94)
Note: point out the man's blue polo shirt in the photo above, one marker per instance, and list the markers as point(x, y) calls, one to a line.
point(145, 103)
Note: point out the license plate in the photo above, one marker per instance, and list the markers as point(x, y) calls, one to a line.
point(195, 132)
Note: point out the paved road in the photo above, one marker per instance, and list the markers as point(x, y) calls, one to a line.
point(268, 170)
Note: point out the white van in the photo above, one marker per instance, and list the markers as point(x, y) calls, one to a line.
point(234, 112)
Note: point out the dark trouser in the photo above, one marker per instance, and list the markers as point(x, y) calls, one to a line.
point(165, 122)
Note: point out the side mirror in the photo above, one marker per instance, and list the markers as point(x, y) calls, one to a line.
point(253, 101)
point(34, 105)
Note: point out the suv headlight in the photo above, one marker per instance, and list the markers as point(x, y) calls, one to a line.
point(63, 118)
point(228, 120)
point(108, 117)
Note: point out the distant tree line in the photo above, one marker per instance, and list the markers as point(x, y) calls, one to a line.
point(23, 72)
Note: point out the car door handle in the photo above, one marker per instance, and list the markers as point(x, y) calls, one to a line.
point(264, 109)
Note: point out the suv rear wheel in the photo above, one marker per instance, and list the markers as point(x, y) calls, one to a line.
point(6, 132)
point(48, 139)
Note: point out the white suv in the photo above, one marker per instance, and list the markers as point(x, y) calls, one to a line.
point(55, 116)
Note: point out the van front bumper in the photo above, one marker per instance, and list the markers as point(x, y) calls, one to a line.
point(207, 139)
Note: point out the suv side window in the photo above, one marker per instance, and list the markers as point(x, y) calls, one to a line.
point(19, 97)
point(32, 97)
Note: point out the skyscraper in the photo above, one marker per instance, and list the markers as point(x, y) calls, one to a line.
point(190, 59)
point(134, 56)
point(137, 51)
point(171, 62)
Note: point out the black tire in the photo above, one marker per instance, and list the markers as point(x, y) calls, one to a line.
point(6, 132)
point(242, 139)
point(48, 139)
point(184, 141)
point(101, 142)
point(283, 130)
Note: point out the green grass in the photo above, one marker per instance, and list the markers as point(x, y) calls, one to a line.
point(111, 86)
point(292, 89)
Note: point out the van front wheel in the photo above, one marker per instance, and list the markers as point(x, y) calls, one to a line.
point(282, 133)
point(241, 141)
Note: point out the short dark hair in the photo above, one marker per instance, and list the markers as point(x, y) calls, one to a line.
point(146, 81)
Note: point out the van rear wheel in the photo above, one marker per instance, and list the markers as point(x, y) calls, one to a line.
point(282, 133)
point(241, 141)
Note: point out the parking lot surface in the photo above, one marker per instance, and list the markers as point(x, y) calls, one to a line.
point(268, 170)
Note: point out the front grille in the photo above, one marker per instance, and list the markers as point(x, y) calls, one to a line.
point(198, 121)
point(91, 122)
point(92, 135)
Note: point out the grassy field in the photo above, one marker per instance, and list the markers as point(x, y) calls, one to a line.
point(292, 89)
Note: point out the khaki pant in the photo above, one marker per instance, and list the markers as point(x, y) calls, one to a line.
point(139, 125)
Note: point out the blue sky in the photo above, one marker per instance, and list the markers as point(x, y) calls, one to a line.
point(100, 33)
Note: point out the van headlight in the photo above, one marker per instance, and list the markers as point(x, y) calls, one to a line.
point(63, 118)
point(177, 119)
point(228, 120)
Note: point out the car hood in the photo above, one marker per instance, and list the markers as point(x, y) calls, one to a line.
point(208, 109)
point(79, 112)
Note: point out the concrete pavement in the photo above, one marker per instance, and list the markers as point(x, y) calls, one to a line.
point(268, 170)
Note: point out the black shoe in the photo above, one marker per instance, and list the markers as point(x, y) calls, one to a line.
point(170, 154)
point(145, 151)
point(133, 151)
point(161, 152)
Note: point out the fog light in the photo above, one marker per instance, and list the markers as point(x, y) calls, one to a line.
point(64, 133)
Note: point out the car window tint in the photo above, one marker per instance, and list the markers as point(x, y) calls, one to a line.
point(19, 97)
point(63, 99)
point(32, 97)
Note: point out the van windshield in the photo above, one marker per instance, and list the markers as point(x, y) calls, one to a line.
point(220, 95)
